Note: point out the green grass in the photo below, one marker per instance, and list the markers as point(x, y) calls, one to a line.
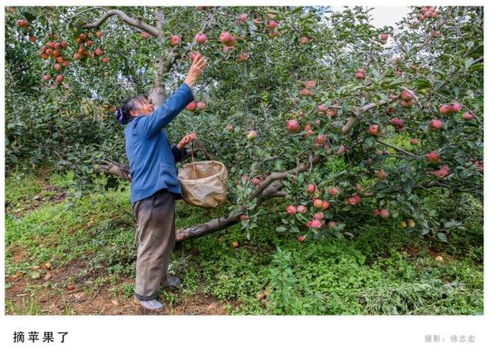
point(382, 270)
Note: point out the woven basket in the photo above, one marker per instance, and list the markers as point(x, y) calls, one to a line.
point(204, 183)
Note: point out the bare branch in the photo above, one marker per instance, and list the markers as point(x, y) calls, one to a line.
point(208, 227)
point(357, 112)
point(114, 168)
point(134, 22)
point(281, 175)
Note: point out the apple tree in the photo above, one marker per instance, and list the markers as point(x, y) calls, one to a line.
point(343, 120)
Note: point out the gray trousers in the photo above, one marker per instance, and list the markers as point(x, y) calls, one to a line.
point(154, 239)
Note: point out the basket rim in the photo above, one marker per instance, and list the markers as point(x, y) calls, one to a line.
point(203, 162)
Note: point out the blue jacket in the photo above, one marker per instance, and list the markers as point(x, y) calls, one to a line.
point(152, 160)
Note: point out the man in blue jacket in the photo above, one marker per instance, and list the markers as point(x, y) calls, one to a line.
point(155, 186)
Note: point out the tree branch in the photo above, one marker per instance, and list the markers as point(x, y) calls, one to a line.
point(134, 22)
point(357, 112)
point(281, 175)
point(114, 168)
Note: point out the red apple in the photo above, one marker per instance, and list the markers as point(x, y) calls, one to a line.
point(193, 54)
point(436, 124)
point(444, 109)
point(455, 107)
point(407, 95)
point(333, 191)
point(243, 57)
point(359, 75)
point(320, 139)
point(384, 213)
point(310, 188)
point(381, 174)
point(201, 38)
point(243, 17)
point(273, 24)
point(306, 92)
point(373, 130)
point(319, 215)
point(315, 223)
point(293, 125)
point(175, 40)
point(99, 51)
point(468, 116)
point(191, 106)
point(442, 172)
point(310, 84)
point(354, 199)
point(301, 209)
point(227, 39)
point(318, 203)
point(398, 123)
point(22, 23)
point(433, 157)
point(291, 209)
point(252, 134)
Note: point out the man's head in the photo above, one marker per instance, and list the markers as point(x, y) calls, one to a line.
point(133, 107)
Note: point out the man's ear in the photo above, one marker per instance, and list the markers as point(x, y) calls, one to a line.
point(133, 112)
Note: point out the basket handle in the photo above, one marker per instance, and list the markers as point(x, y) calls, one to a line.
point(192, 158)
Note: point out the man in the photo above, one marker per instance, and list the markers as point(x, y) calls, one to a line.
point(155, 186)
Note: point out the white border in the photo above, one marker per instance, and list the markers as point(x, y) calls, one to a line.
point(286, 334)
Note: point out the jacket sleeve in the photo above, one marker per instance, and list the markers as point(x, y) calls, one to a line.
point(172, 106)
point(179, 155)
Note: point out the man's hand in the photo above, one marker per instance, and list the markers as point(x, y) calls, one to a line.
point(198, 65)
point(186, 139)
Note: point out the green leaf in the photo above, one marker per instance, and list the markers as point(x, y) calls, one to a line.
point(422, 83)
point(281, 229)
point(452, 224)
point(442, 237)
point(468, 62)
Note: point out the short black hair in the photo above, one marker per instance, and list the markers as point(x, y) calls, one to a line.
point(131, 104)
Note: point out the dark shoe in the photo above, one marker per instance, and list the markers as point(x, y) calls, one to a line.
point(173, 282)
point(153, 305)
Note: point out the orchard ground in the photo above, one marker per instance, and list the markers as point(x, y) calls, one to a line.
point(72, 253)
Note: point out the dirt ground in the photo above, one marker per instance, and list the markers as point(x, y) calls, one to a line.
point(56, 293)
